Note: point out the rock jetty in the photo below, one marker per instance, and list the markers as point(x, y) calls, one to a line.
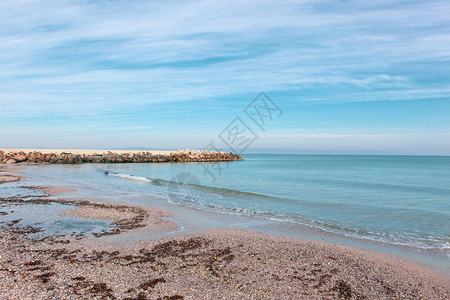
point(112, 157)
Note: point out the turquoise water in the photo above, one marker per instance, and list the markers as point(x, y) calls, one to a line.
point(395, 199)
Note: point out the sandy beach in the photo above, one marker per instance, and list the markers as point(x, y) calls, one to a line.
point(301, 150)
point(214, 264)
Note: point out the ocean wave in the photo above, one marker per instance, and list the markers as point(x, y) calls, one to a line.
point(221, 200)
point(222, 192)
point(128, 176)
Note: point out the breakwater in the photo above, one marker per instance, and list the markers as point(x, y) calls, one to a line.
point(114, 157)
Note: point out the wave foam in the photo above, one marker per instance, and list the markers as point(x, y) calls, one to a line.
point(128, 176)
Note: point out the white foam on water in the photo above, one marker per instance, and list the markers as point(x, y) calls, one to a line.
point(129, 177)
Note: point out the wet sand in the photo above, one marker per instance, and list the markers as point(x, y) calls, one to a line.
point(215, 264)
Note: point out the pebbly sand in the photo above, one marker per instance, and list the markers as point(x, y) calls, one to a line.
point(216, 264)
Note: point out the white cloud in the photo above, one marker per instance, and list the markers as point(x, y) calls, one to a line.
point(93, 58)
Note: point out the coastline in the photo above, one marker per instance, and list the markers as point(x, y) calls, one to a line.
point(207, 264)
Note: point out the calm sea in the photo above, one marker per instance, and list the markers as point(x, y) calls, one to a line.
point(395, 199)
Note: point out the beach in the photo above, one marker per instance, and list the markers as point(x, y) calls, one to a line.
point(224, 150)
point(212, 264)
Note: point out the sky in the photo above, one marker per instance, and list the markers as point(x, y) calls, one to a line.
point(355, 77)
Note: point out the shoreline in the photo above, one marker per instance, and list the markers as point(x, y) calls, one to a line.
point(214, 262)
point(194, 219)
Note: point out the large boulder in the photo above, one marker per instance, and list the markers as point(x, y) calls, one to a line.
point(19, 157)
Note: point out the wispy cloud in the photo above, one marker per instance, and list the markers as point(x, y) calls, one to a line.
point(101, 59)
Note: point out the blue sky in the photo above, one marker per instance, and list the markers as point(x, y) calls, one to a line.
point(350, 76)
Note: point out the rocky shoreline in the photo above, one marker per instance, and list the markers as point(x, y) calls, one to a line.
point(114, 157)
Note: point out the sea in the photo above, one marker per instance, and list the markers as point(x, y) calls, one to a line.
point(393, 200)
